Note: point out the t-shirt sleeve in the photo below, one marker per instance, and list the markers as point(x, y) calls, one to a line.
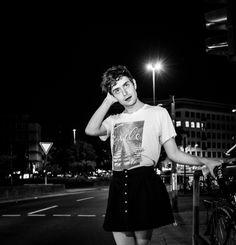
point(107, 124)
point(167, 127)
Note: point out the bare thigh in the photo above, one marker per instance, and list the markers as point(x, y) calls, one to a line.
point(143, 237)
point(124, 238)
point(133, 237)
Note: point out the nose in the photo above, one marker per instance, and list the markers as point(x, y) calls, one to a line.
point(124, 92)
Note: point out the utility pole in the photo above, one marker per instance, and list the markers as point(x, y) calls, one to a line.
point(174, 183)
point(11, 163)
point(185, 146)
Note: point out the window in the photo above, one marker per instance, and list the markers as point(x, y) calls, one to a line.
point(187, 124)
point(192, 134)
point(178, 113)
point(178, 123)
point(192, 124)
point(197, 124)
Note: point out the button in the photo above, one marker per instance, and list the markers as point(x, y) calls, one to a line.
point(126, 211)
point(126, 176)
point(125, 184)
point(126, 202)
point(125, 193)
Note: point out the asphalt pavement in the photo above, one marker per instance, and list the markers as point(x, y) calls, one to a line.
point(179, 233)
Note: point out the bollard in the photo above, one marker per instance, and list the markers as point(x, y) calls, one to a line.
point(196, 195)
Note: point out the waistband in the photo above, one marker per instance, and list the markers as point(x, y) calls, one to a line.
point(134, 172)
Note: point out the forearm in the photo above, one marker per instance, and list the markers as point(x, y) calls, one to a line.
point(94, 125)
point(178, 156)
point(187, 159)
point(181, 157)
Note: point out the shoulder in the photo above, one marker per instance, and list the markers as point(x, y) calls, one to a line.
point(155, 109)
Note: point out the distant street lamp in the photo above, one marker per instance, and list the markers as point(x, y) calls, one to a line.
point(74, 135)
point(158, 66)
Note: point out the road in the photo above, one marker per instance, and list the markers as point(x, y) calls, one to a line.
point(77, 217)
point(74, 217)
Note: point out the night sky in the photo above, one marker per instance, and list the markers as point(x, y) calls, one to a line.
point(53, 71)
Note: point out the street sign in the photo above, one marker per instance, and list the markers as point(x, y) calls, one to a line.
point(46, 146)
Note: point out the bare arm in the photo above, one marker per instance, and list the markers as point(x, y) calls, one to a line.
point(94, 126)
point(178, 156)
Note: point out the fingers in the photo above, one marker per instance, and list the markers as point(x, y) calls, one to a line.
point(230, 160)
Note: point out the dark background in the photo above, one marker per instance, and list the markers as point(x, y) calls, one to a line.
point(52, 65)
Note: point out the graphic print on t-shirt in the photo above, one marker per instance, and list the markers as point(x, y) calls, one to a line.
point(127, 145)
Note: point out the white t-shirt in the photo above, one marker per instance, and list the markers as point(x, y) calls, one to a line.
point(136, 138)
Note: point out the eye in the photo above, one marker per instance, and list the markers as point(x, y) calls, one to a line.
point(116, 91)
point(127, 84)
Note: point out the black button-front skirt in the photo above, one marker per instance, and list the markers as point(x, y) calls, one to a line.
point(138, 200)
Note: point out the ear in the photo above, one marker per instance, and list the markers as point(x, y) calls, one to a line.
point(135, 84)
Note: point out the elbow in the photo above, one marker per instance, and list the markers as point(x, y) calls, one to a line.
point(174, 155)
point(88, 131)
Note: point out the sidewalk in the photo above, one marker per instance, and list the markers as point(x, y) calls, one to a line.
point(181, 232)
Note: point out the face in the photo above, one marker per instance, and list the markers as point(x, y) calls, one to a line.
point(125, 91)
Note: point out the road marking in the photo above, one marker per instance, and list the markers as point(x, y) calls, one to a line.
point(55, 215)
point(37, 215)
point(40, 210)
point(79, 200)
point(87, 215)
point(61, 215)
point(11, 215)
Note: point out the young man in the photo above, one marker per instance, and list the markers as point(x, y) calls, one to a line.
point(138, 201)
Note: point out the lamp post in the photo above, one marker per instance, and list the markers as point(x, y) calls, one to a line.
point(158, 66)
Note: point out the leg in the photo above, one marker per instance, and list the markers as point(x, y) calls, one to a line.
point(124, 238)
point(143, 237)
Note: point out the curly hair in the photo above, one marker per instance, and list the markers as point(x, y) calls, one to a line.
point(112, 75)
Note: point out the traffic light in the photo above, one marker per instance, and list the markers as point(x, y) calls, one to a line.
point(220, 28)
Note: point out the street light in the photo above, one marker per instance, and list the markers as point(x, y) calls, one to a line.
point(158, 66)
point(74, 135)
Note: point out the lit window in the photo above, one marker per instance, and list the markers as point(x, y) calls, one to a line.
point(192, 124)
point(187, 124)
point(197, 124)
point(178, 123)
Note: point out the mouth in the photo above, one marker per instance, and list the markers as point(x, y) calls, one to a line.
point(128, 98)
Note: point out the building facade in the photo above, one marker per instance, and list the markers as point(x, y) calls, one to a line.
point(206, 129)
point(19, 144)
